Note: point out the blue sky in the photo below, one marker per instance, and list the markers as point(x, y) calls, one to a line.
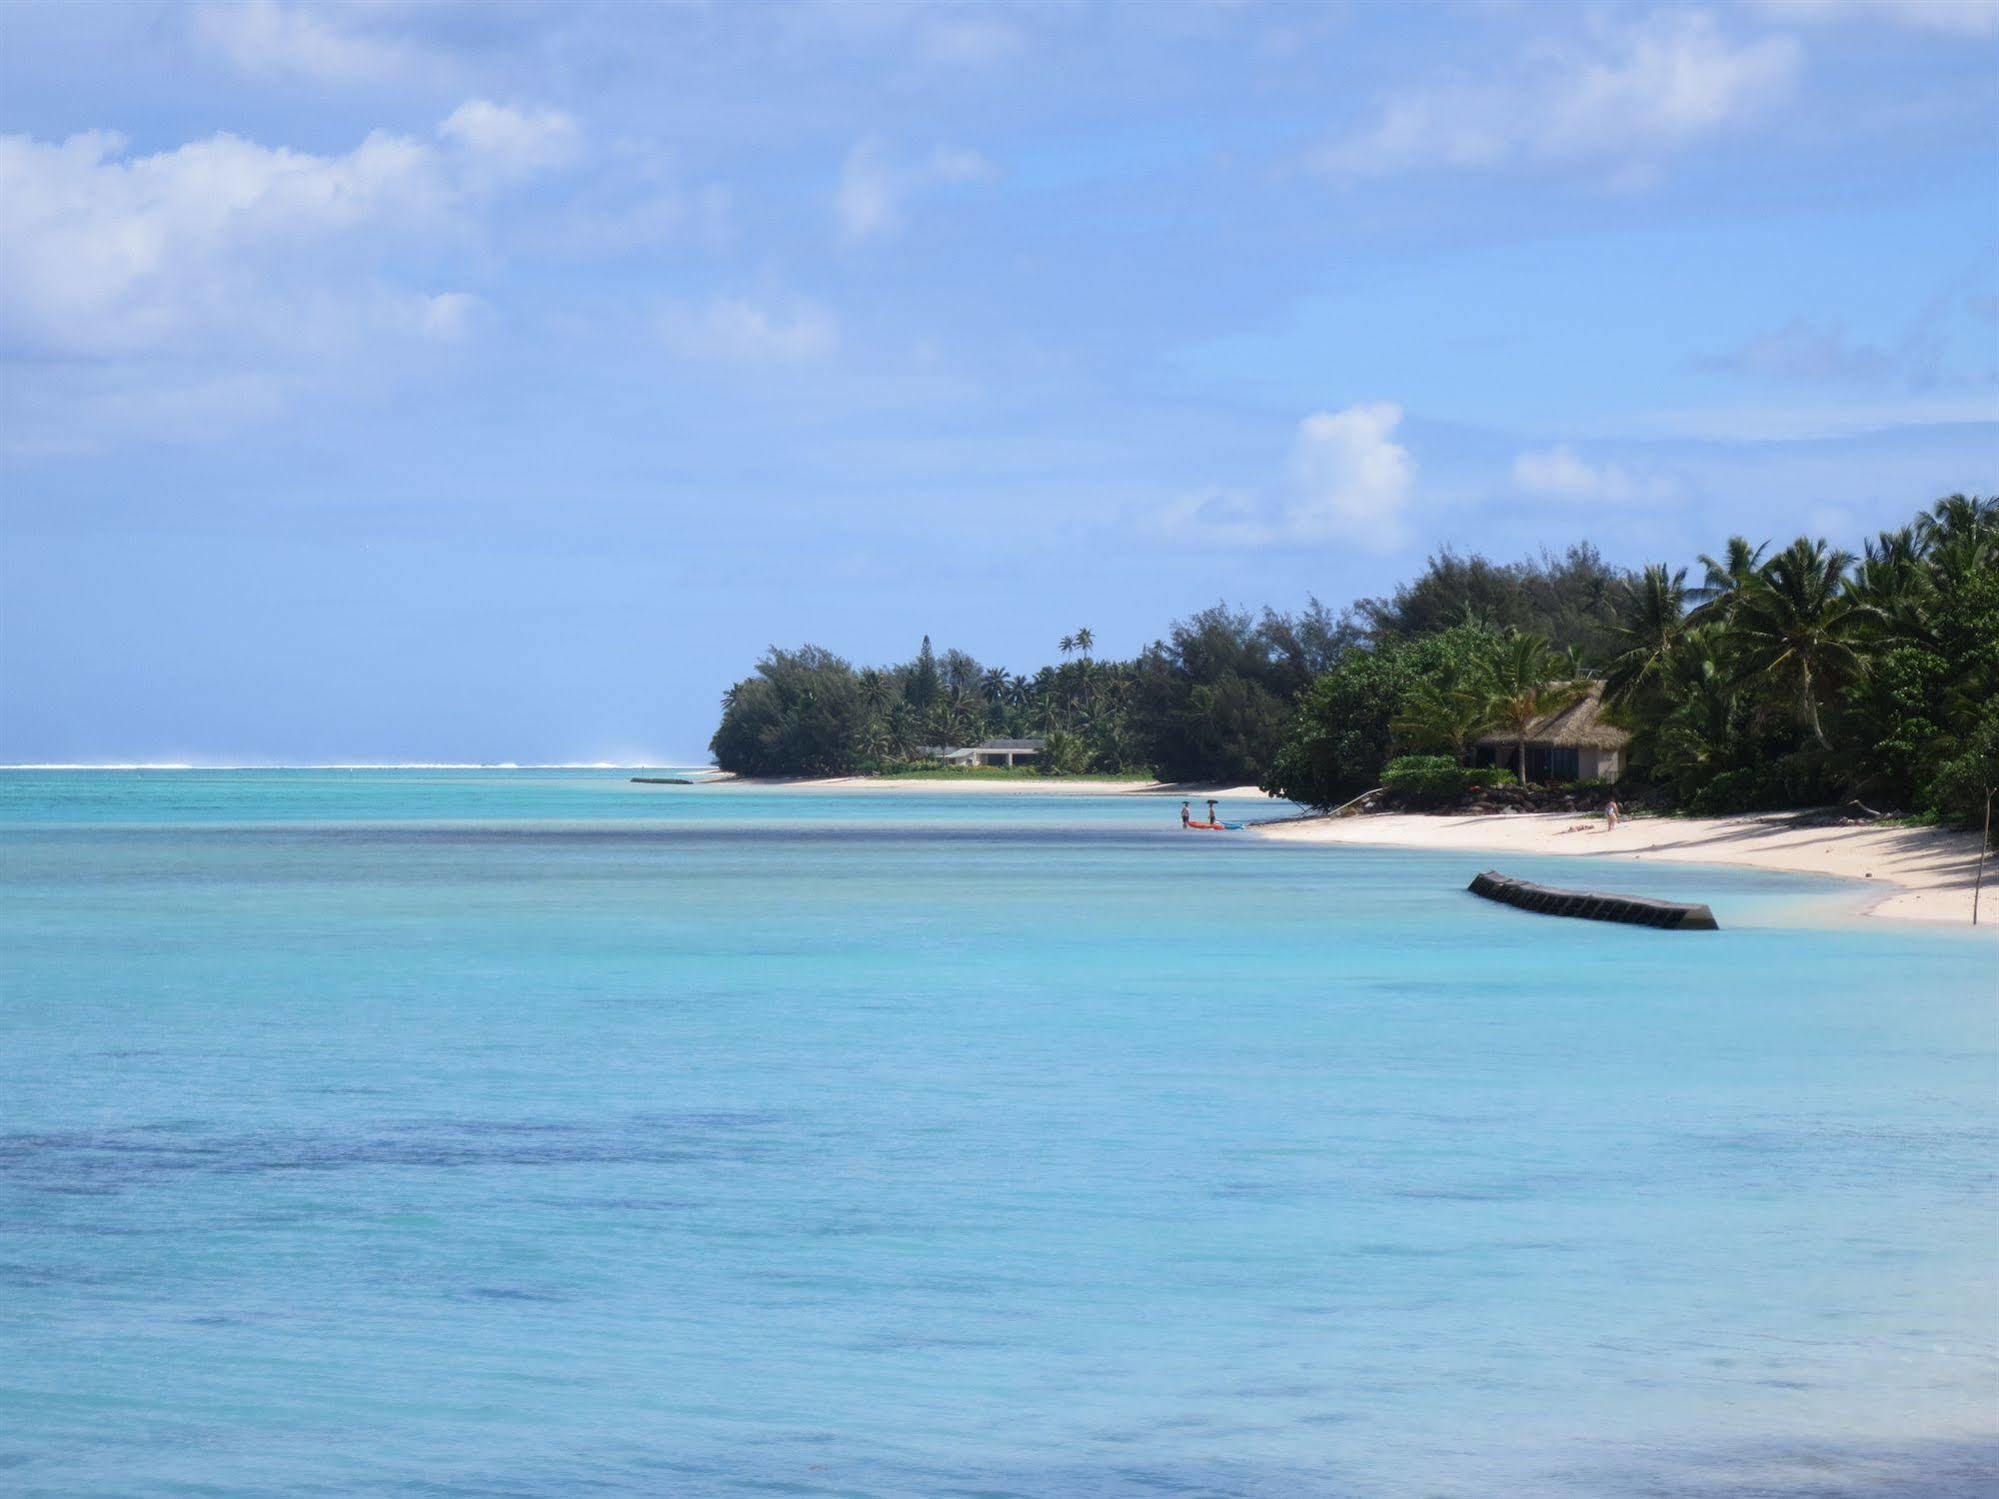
point(492, 382)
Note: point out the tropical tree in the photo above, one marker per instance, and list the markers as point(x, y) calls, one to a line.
point(1696, 736)
point(1649, 629)
point(1524, 689)
point(1444, 714)
point(1800, 629)
point(1729, 577)
point(877, 692)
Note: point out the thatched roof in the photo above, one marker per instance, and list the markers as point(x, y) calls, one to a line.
point(1581, 725)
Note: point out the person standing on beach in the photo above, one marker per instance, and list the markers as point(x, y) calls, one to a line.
point(1610, 816)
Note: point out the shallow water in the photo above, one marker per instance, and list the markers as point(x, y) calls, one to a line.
point(534, 1133)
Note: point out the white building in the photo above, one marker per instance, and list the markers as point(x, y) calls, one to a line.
point(990, 752)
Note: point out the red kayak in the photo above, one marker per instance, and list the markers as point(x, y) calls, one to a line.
point(1216, 827)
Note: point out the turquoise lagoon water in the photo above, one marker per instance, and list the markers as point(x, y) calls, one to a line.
point(521, 1133)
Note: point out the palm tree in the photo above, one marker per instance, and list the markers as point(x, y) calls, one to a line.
point(1895, 578)
point(1522, 691)
point(1957, 516)
point(1067, 644)
point(1085, 638)
point(1444, 713)
point(993, 685)
point(1650, 627)
point(960, 716)
point(903, 730)
point(1694, 737)
point(875, 691)
point(874, 739)
point(1729, 578)
point(1799, 629)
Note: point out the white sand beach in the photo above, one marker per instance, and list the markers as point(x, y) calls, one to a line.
point(1007, 786)
point(1925, 874)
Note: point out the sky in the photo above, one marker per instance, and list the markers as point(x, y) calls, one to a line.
point(492, 382)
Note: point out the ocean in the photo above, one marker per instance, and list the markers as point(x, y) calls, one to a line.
point(439, 1133)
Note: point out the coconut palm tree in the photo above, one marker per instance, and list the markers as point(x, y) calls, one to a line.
point(1693, 738)
point(1800, 628)
point(904, 730)
point(1067, 644)
point(1523, 689)
point(1958, 516)
point(1650, 627)
point(961, 715)
point(874, 740)
point(1085, 639)
point(876, 691)
point(1729, 578)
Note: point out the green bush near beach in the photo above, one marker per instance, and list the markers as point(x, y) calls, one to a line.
point(1439, 778)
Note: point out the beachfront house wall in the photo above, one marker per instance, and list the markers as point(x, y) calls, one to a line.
point(994, 752)
point(1553, 762)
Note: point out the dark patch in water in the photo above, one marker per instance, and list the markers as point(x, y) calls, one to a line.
point(100, 1162)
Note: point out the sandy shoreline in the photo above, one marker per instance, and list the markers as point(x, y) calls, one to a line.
point(1017, 786)
point(1925, 874)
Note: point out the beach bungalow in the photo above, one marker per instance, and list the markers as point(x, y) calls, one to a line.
point(991, 752)
point(1576, 744)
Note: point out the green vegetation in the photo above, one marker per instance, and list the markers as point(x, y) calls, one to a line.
point(1439, 778)
point(1798, 677)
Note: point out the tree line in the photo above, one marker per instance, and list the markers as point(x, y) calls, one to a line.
point(1756, 678)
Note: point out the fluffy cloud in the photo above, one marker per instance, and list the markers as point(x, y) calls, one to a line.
point(108, 254)
point(874, 185)
point(1350, 478)
point(1624, 100)
point(508, 143)
point(1350, 483)
point(264, 37)
point(1558, 473)
point(732, 330)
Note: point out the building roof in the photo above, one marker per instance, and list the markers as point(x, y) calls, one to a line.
point(1011, 744)
point(1581, 725)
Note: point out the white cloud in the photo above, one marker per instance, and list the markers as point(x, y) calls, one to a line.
point(1351, 478)
point(107, 254)
point(1947, 17)
point(874, 185)
point(1350, 482)
point(1624, 100)
point(264, 37)
point(1558, 473)
point(509, 143)
point(732, 330)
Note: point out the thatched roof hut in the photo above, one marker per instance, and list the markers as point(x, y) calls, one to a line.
point(1577, 742)
point(1581, 725)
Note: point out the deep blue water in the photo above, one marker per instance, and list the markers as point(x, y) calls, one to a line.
point(521, 1133)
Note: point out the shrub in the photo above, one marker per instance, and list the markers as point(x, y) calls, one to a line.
point(1439, 778)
